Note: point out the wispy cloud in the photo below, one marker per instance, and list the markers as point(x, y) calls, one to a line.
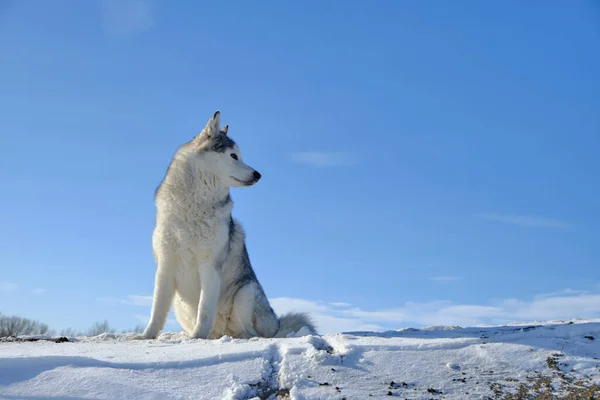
point(332, 317)
point(563, 292)
point(323, 159)
point(328, 318)
point(138, 300)
point(566, 305)
point(131, 300)
point(340, 304)
point(127, 17)
point(38, 292)
point(8, 286)
point(555, 307)
point(528, 221)
point(445, 279)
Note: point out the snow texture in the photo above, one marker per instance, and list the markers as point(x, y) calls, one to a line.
point(434, 363)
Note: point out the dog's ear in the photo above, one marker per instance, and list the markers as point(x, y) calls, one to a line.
point(224, 130)
point(212, 126)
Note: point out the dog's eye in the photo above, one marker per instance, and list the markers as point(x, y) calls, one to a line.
point(234, 156)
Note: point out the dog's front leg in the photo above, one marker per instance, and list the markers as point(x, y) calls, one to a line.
point(164, 290)
point(210, 288)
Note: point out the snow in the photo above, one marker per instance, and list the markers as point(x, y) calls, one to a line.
point(437, 362)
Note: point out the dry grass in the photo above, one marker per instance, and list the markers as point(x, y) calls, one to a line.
point(542, 389)
point(557, 385)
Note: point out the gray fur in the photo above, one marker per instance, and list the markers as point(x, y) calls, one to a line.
point(246, 274)
point(221, 143)
point(225, 202)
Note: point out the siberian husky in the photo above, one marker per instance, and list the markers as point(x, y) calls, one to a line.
point(203, 268)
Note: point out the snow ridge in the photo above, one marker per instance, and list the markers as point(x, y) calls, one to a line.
point(556, 358)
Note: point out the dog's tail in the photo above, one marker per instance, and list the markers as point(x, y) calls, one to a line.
point(293, 323)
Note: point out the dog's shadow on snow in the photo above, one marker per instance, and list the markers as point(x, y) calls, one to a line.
point(15, 370)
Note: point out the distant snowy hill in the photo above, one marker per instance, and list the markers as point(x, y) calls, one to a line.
point(549, 359)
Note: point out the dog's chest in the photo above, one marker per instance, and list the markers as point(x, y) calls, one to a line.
point(203, 239)
point(200, 246)
point(198, 226)
point(202, 234)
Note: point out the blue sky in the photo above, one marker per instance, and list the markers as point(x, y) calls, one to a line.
point(423, 163)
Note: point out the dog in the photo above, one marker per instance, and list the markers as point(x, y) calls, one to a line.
point(202, 264)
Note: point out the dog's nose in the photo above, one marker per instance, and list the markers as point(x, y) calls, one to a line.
point(257, 176)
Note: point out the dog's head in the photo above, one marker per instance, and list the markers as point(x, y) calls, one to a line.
point(215, 152)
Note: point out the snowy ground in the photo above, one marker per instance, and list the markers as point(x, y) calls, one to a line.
point(433, 363)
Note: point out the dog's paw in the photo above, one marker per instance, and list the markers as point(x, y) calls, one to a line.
point(196, 336)
point(199, 335)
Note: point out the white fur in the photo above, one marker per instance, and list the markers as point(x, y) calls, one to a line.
point(201, 267)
